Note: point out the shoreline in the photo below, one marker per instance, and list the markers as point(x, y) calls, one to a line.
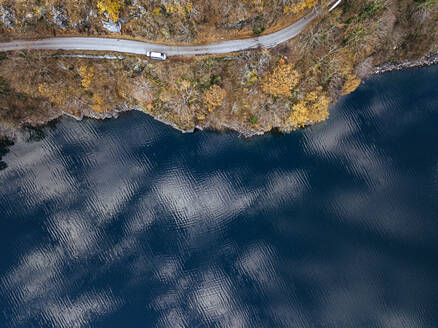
point(429, 60)
point(12, 133)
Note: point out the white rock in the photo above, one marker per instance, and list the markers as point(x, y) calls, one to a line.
point(111, 26)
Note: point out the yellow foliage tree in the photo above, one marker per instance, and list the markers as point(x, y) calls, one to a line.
point(351, 84)
point(156, 11)
point(281, 80)
point(98, 104)
point(111, 7)
point(303, 4)
point(87, 75)
point(179, 8)
point(312, 109)
point(214, 97)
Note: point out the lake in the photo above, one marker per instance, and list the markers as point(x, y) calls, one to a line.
point(129, 223)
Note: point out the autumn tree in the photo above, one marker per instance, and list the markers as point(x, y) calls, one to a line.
point(87, 75)
point(214, 97)
point(312, 109)
point(300, 6)
point(281, 80)
point(351, 84)
point(179, 8)
point(111, 7)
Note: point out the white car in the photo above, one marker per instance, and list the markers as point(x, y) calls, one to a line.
point(156, 55)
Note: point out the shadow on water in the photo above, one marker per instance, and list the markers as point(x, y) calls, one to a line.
point(29, 133)
point(5, 143)
point(37, 133)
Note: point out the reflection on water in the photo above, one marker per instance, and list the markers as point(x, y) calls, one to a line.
point(129, 223)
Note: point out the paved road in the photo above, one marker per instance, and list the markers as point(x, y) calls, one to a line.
point(140, 48)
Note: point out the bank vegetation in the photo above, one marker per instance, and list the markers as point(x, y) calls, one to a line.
point(286, 88)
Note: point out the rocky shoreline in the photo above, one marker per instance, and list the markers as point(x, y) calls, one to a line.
point(428, 60)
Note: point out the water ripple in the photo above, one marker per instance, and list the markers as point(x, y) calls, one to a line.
point(129, 223)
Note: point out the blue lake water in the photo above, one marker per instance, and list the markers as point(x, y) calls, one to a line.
point(128, 223)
